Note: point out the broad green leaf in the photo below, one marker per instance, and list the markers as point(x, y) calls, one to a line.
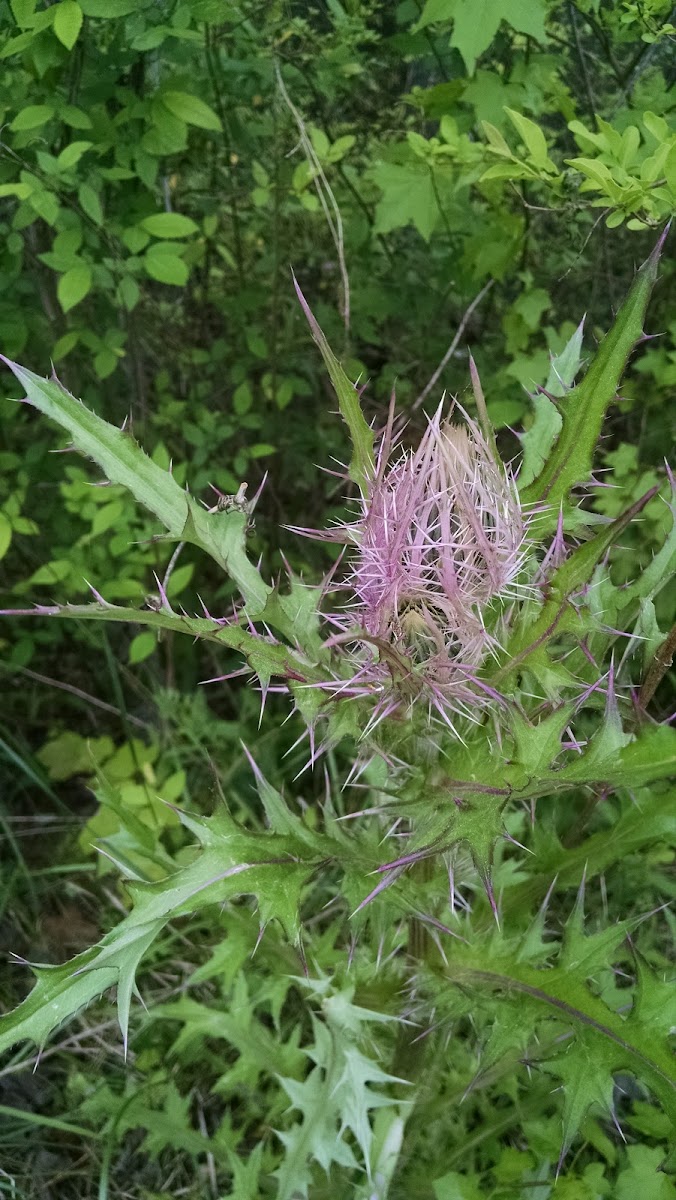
point(496, 140)
point(32, 117)
point(74, 286)
point(192, 110)
point(454, 1186)
point(166, 268)
point(17, 45)
point(23, 12)
point(569, 463)
point(361, 435)
point(408, 197)
point(20, 190)
point(45, 204)
point(476, 22)
point(644, 1176)
point(75, 117)
point(72, 154)
point(169, 225)
point(142, 646)
point(90, 203)
point(532, 137)
point(67, 22)
point(129, 292)
point(166, 135)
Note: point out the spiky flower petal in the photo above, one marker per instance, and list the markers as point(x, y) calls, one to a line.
point(441, 534)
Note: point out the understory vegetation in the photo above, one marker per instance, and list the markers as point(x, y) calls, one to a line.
point(337, 555)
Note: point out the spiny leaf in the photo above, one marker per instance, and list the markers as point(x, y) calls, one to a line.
point(232, 863)
point(562, 991)
point(583, 410)
point(123, 461)
point(538, 746)
point(650, 756)
point(648, 818)
point(265, 657)
point(334, 1097)
point(116, 452)
point(537, 442)
point(585, 1068)
point(361, 466)
point(571, 576)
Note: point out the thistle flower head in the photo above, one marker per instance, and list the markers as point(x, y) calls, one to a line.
point(440, 535)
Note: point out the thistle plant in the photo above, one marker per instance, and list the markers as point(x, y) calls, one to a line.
point(440, 536)
point(482, 689)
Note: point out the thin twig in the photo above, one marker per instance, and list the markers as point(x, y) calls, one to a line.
point(453, 346)
point(75, 691)
point(172, 563)
point(664, 656)
point(325, 193)
point(591, 101)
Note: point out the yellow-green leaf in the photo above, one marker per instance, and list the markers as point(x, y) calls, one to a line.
point(166, 268)
point(32, 117)
point(74, 286)
point(67, 22)
point(169, 225)
point(5, 534)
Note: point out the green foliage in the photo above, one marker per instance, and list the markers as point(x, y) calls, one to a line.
point(387, 989)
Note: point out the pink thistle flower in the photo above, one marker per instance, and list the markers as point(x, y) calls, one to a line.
point(440, 536)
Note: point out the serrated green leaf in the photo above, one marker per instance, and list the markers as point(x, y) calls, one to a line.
point(566, 581)
point(538, 746)
point(123, 461)
point(334, 1097)
point(569, 463)
point(586, 1070)
point(650, 756)
point(265, 658)
point(600, 1036)
point(116, 452)
point(361, 465)
point(537, 442)
point(232, 863)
